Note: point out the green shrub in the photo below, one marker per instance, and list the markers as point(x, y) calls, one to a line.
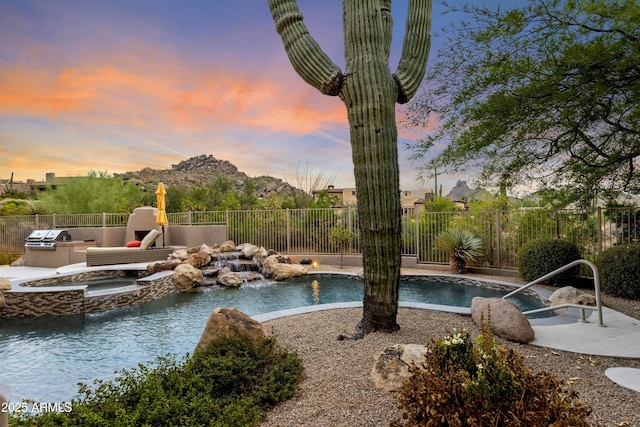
point(486, 385)
point(461, 245)
point(619, 268)
point(7, 258)
point(539, 257)
point(230, 383)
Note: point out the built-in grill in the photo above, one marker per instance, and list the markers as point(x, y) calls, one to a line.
point(46, 239)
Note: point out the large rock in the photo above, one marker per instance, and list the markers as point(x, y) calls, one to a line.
point(5, 285)
point(262, 253)
point(5, 398)
point(230, 320)
point(248, 250)
point(229, 279)
point(274, 269)
point(507, 321)
point(156, 267)
point(206, 249)
point(180, 254)
point(185, 276)
point(392, 365)
point(199, 259)
point(227, 246)
point(570, 295)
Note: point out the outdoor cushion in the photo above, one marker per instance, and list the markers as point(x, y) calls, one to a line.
point(133, 244)
point(112, 249)
point(149, 239)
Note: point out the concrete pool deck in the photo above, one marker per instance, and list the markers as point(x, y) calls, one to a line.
point(620, 337)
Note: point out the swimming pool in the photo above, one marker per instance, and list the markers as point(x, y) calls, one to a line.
point(44, 358)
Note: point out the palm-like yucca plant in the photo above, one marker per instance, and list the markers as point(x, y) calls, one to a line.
point(461, 245)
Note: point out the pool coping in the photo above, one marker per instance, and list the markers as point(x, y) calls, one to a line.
point(570, 316)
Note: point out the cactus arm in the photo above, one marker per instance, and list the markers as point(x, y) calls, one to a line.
point(415, 50)
point(305, 55)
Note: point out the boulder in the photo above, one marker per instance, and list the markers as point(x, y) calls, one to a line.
point(212, 271)
point(391, 368)
point(262, 253)
point(181, 254)
point(249, 250)
point(230, 320)
point(229, 279)
point(199, 259)
point(507, 321)
point(5, 285)
point(570, 295)
point(5, 398)
point(274, 269)
point(159, 266)
point(206, 249)
point(185, 276)
point(237, 279)
point(227, 246)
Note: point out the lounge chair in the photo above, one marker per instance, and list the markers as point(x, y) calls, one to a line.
point(128, 255)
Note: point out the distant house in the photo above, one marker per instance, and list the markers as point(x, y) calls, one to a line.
point(347, 197)
point(50, 181)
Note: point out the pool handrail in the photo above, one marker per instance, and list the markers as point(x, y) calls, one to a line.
point(596, 285)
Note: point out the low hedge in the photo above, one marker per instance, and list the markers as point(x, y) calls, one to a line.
point(542, 256)
point(619, 268)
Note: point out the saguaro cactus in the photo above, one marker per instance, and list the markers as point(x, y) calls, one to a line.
point(369, 91)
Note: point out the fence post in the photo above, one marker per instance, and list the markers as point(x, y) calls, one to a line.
point(104, 219)
point(288, 231)
point(350, 227)
point(416, 234)
point(498, 241)
point(37, 222)
point(53, 221)
point(226, 222)
point(599, 230)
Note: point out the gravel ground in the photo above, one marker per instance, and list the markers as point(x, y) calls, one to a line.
point(338, 391)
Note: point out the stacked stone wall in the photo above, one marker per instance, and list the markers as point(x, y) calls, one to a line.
point(53, 302)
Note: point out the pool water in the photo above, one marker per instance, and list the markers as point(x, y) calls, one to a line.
point(44, 358)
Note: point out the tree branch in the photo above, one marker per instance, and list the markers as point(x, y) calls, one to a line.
point(415, 50)
point(306, 56)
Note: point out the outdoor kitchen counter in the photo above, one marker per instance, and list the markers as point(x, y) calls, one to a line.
point(65, 253)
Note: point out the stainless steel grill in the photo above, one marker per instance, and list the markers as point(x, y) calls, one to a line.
point(46, 239)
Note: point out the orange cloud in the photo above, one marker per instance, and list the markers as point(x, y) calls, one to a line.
point(184, 99)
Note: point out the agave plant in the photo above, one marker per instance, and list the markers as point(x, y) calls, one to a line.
point(461, 245)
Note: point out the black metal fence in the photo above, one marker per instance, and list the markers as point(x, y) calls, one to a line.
point(308, 231)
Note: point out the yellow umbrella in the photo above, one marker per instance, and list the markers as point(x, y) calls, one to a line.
point(161, 219)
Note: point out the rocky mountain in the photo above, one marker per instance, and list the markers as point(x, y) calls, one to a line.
point(202, 170)
point(461, 191)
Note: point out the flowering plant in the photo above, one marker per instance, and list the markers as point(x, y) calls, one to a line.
point(463, 385)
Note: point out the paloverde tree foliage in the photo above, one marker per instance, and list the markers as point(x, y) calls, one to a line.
point(546, 93)
point(95, 193)
point(369, 91)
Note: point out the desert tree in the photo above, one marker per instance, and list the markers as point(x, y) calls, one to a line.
point(545, 94)
point(369, 91)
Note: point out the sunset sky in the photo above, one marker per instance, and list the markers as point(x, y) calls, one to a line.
point(120, 85)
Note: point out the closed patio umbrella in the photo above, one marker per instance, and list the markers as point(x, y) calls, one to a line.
point(161, 219)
